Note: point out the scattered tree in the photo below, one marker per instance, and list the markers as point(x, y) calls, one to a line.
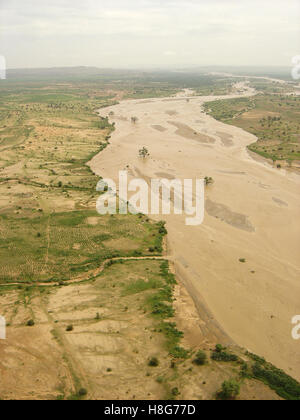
point(153, 362)
point(143, 153)
point(201, 358)
point(230, 390)
point(134, 120)
point(82, 392)
point(208, 180)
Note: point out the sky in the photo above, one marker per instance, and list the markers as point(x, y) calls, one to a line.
point(149, 33)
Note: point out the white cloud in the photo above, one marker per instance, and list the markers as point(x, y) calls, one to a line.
point(136, 32)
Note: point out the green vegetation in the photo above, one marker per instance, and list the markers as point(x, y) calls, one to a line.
point(274, 119)
point(201, 358)
point(159, 302)
point(285, 386)
point(221, 355)
point(153, 362)
point(173, 336)
point(230, 390)
point(208, 180)
point(49, 228)
point(69, 244)
point(143, 153)
point(69, 328)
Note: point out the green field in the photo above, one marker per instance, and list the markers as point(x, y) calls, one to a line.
point(49, 227)
point(274, 119)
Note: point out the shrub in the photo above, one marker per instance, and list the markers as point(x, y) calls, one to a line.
point(30, 323)
point(230, 390)
point(70, 328)
point(200, 359)
point(175, 392)
point(179, 352)
point(208, 180)
point(285, 386)
point(221, 355)
point(143, 153)
point(224, 357)
point(153, 362)
point(82, 392)
point(219, 348)
point(162, 310)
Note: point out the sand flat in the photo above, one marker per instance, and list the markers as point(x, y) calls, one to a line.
point(252, 302)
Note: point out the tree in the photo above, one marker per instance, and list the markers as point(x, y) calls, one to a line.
point(201, 358)
point(208, 180)
point(134, 120)
point(230, 390)
point(153, 362)
point(143, 153)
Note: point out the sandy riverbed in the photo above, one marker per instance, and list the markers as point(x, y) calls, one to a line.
point(252, 212)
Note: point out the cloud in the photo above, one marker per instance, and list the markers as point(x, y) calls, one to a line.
point(231, 30)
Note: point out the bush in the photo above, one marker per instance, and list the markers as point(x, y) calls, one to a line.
point(70, 328)
point(201, 358)
point(224, 357)
point(221, 355)
point(179, 352)
point(285, 386)
point(175, 392)
point(30, 323)
point(219, 348)
point(230, 390)
point(162, 310)
point(153, 362)
point(82, 392)
point(208, 180)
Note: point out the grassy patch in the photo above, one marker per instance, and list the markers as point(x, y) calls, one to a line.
point(274, 119)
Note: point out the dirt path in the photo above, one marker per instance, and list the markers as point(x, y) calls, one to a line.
point(252, 214)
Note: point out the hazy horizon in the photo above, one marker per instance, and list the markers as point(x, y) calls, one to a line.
point(149, 34)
